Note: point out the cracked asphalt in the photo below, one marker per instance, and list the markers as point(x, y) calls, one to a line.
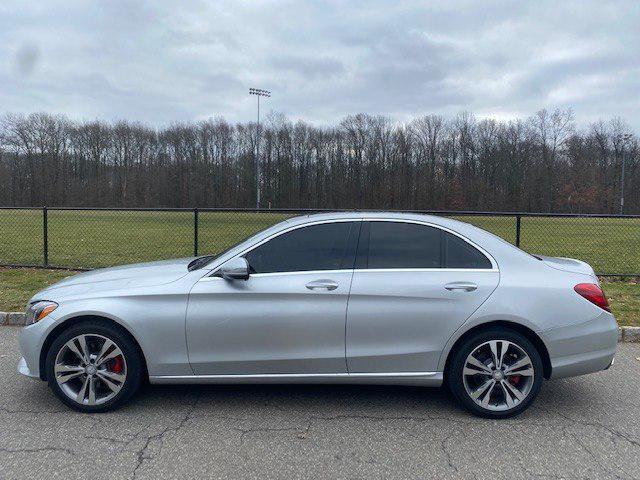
point(587, 427)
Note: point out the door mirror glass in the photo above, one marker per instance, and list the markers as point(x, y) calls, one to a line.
point(235, 269)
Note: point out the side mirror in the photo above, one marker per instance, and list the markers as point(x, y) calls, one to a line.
point(235, 269)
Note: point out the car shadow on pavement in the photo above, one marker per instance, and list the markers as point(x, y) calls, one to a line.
point(365, 399)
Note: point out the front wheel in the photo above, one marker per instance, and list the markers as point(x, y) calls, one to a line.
point(93, 367)
point(496, 373)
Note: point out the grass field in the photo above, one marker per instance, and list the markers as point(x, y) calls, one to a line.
point(17, 286)
point(103, 238)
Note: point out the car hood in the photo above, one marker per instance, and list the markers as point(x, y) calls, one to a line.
point(568, 265)
point(116, 278)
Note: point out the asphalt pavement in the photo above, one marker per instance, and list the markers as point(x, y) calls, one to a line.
point(586, 427)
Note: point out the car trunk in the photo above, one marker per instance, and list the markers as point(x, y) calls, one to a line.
point(568, 265)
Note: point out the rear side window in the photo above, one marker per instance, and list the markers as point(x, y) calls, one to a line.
point(403, 245)
point(460, 254)
point(410, 245)
point(318, 247)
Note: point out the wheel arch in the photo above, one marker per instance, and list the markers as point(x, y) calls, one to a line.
point(531, 335)
point(70, 322)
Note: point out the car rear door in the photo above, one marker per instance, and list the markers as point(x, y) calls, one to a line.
point(288, 317)
point(414, 284)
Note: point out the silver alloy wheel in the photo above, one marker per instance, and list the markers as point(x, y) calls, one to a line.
point(90, 369)
point(498, 375)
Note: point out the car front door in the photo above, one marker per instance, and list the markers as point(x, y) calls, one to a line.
point(288, 317)
point(413, 286)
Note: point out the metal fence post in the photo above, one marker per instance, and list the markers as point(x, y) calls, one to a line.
point(195, 232)
point(45, 237)
point(518, 220)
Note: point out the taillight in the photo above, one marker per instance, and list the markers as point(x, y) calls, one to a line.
point(594, 294)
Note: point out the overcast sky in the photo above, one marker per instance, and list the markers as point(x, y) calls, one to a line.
point(161, 62)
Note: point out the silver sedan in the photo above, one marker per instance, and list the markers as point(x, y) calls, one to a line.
point(376, 298)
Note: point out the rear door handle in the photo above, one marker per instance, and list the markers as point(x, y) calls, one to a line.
point(464, 286)
point(322, 285)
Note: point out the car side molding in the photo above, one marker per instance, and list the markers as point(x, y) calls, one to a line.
point(374, 378)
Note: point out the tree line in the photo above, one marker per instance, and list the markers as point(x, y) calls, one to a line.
point(539, 164)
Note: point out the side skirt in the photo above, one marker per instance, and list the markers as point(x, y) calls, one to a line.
point(427, 379)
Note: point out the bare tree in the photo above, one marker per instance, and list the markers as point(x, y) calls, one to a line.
point(538, 164)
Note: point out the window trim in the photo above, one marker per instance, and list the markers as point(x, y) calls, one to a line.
point(381, 270)
point(494, 264)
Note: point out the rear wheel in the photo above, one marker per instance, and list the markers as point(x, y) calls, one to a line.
point(94, 367)
point(496, 373)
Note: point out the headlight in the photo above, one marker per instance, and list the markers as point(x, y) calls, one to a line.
point(38, 310)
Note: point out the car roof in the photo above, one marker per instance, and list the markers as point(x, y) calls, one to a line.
point(377, 214)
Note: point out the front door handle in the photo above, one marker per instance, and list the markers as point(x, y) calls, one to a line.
point(464, 286)
point(322, 285)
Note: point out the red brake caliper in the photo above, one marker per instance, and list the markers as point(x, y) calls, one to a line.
point(515, 379)
point(118, 364)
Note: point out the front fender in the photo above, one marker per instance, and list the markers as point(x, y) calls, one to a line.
point(155, 321)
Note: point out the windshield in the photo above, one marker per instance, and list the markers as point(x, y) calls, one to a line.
point(201, 262)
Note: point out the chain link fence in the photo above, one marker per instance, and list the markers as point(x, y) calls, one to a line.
point(91, 238)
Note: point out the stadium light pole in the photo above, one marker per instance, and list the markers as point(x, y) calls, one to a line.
point(259, 93)
point(625, 139)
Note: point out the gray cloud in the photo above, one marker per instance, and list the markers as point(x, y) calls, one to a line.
point(162, 62)
point(26, 59)
point(309, 67)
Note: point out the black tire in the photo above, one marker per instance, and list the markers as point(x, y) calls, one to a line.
point(455, 379)
point(134, 364)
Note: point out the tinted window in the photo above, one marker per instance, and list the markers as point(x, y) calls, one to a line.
point(410, 245)
point(403, 245)
point(459, 254)
point(317, 247)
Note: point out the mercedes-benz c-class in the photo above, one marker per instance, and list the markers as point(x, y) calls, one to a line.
point(371, 298)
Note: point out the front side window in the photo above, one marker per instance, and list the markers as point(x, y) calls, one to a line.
point(317, 247)
point(385, 245)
